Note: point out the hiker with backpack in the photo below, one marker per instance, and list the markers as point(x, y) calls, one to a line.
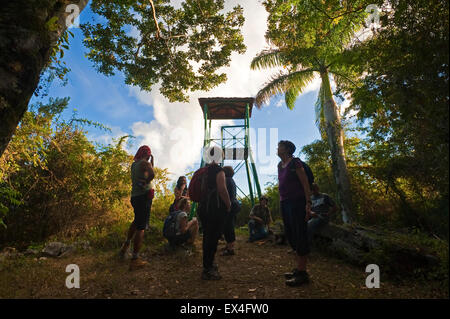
point(142, 195)
point(260, 220)
point(294, 178)
point(177, 229)
point(230, 220)
point(321, 208)
point(208, 188)
point(180, 191)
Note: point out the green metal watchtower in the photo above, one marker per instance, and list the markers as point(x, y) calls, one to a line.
point(234, 140)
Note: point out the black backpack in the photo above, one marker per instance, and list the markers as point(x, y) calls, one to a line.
point(307, 169)
point(308, 172)
point(169, 228)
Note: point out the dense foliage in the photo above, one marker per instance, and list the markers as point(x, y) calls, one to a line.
point(54, 180)
point(402, 100)
point(153, 41)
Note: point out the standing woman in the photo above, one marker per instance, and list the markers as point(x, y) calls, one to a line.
point(141, 199)
point(295, 204)
point(180, 191)
point(230, 219)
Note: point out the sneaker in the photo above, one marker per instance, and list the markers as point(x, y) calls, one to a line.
point(300, 279)
point(292, 274)
point(211, 274)
point(137, 263)
point(228, 252)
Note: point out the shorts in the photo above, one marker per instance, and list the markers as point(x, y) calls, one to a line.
point(295, 226)
point(141, 205)
point(181, 238)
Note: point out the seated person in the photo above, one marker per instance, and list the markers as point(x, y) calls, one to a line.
point(260, 220)
point(186, 231)
point(180, 192)
point(321, 208)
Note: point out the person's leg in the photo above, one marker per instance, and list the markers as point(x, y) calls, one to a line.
point(212, 232)
point(286, 214)
point(142, 214)
point(260, 233)
point(126, 244)
point(217, 230)
point(193, 230)
point(131, 231)
point(251, 229)
point(137, 243)
point(233, 233)
point(206, 228)
point(302, 249)
point(227, 228)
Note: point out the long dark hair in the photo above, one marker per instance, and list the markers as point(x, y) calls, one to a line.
point(181, 180)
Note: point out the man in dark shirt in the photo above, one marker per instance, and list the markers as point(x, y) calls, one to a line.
point(260, 220)
point(321, 208)
point(212, 213)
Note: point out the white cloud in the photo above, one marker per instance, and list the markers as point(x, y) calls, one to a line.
point(176, 132)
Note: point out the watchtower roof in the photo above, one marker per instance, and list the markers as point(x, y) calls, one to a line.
point(226, 108)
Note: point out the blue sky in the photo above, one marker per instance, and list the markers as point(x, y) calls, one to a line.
point(156, 122)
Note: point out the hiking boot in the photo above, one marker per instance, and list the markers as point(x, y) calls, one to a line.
point(137, 263)
point(300, 279)
point(211, 274)
point(292, 274)
point(228, 252)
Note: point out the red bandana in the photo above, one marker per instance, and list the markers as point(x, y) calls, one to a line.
point(143, 152)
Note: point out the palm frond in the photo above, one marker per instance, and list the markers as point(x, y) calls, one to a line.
point(290, 96)
point(291, 83)
point(268, 59)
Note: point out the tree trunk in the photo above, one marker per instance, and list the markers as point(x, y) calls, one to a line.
point(335, 136)
point(26, 43)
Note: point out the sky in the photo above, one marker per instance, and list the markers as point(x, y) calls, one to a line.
point(174, 131)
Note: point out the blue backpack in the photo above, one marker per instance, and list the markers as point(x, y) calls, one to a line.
point(169, 228)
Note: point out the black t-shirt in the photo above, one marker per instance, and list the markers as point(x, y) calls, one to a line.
point(215, 200)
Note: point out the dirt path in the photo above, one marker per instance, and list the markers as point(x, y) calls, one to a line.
point(256, 271)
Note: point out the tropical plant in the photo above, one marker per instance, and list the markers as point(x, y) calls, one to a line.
point(307, 39)
point(149, 41)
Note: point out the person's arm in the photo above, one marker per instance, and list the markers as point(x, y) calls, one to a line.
point(183, 224)
point(222, 190)
point(254, 217)
point(177, 194)
point(148, 168)
point(300, 171)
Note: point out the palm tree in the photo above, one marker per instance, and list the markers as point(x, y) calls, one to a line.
point(292, 83)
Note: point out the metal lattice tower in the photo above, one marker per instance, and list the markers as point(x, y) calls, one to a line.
point(234, 140)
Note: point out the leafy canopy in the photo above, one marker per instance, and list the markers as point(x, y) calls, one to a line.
point(152, 41)
point(306, 37)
